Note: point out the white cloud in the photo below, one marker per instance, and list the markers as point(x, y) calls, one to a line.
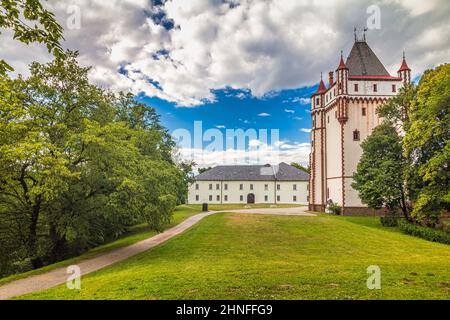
point(289, 111)
point(305, 130)
point(264, 114)
point(260, 46)
point(262, 154)
point(220, 127)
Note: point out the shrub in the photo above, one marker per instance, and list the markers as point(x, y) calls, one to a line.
point(389, 221)
point(424, 232)
point(334, 208)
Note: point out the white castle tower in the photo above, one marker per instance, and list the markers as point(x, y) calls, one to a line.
point(343, 115)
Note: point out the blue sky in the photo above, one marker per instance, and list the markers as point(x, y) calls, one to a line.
point(181, 56)
point(287, 110)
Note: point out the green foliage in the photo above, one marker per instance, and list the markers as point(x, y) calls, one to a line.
point(300, 167)
point(203, 170)
point(389, 221)
point(426, 233)
point(380, 172)
point(427, 144)
point(78, 165)
point(16, 15)
point(334, 208)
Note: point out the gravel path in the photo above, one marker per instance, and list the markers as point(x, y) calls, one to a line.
point(59, 276)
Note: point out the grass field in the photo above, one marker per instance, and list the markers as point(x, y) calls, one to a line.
point(135, 234)
point(232, 256)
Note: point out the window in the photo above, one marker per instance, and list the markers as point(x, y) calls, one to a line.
point(217, 186)
point(251, 187)
point(210, 198)
point(328, 119)
point(356, 87)
point(242, 198)
point(364, 112)
point(394, 88)
point(197, 186)
point(335, 114)
point(356, 135)
point(278, 198)
point(226, 198)
point(266, 198)
point(226, 186)
point(340, 86)
point(218, 198)
point(266, 187)
point(295, 187)
point(295, 199)
point(317, 101)
point(210, 187)
point(241, 187)
point(375, 88)
point(278, 187)
point(197, 198)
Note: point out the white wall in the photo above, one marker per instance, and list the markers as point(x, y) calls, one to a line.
point(234, 193)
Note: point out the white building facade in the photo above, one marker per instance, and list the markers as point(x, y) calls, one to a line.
point(281, 184)
point(343, 116)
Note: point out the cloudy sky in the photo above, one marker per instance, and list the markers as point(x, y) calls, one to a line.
point(248, 64)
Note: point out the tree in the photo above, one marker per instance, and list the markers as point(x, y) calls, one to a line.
point(48, 31)
point(379, 178)
point(78, 165)
point(300, 167)
point(203, 170)
point(427, 143)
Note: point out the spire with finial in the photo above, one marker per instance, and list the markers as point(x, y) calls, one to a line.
point(342, 63)
point(404, 66)
point(322, 87)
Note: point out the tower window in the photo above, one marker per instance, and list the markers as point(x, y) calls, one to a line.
point(317, 101)
point(356, 135)
point(375, 88)
point(394, 88)
point(356, 87)
point(364, 112)
point(328, 119)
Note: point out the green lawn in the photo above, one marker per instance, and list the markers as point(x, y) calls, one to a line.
point(232, 256)
point(135, 234)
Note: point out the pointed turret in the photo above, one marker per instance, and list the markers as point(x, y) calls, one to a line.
point(404, 72)
point(342, 65)
point(322, 87)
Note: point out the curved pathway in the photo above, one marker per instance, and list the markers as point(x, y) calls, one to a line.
point(59, 276)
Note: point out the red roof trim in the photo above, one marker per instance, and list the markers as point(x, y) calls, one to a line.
point(390, 78)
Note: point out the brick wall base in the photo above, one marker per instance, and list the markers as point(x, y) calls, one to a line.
point(316, 207)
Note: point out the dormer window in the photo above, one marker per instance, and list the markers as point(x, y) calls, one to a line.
point(356, 135)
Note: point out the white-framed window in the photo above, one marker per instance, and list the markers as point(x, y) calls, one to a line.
point(210, 198)
point(210, 186)
point(218, 198)
point(278, 187)
point(242, 198)
point(266, 187)
point(197, 186)
point(266, 198)
point(241, 187)
point(226, 186)
point(278, 198)
point(217, 186)
point(251, 186)
point(197, 198)
point(295, 198)
point(225, 198)
point(294, 187)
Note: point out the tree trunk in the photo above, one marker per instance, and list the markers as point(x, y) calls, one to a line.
point(58, 245)
point(32, 235)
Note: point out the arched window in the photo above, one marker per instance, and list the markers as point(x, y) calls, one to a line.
point(356, 135)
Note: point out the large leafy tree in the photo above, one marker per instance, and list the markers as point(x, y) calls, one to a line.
point(30, 22)
point(379, 176)
point(427, 143)
point(78, 165)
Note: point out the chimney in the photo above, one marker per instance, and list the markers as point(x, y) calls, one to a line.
point(331, 78)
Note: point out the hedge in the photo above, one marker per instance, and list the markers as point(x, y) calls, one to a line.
point(424, 232)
